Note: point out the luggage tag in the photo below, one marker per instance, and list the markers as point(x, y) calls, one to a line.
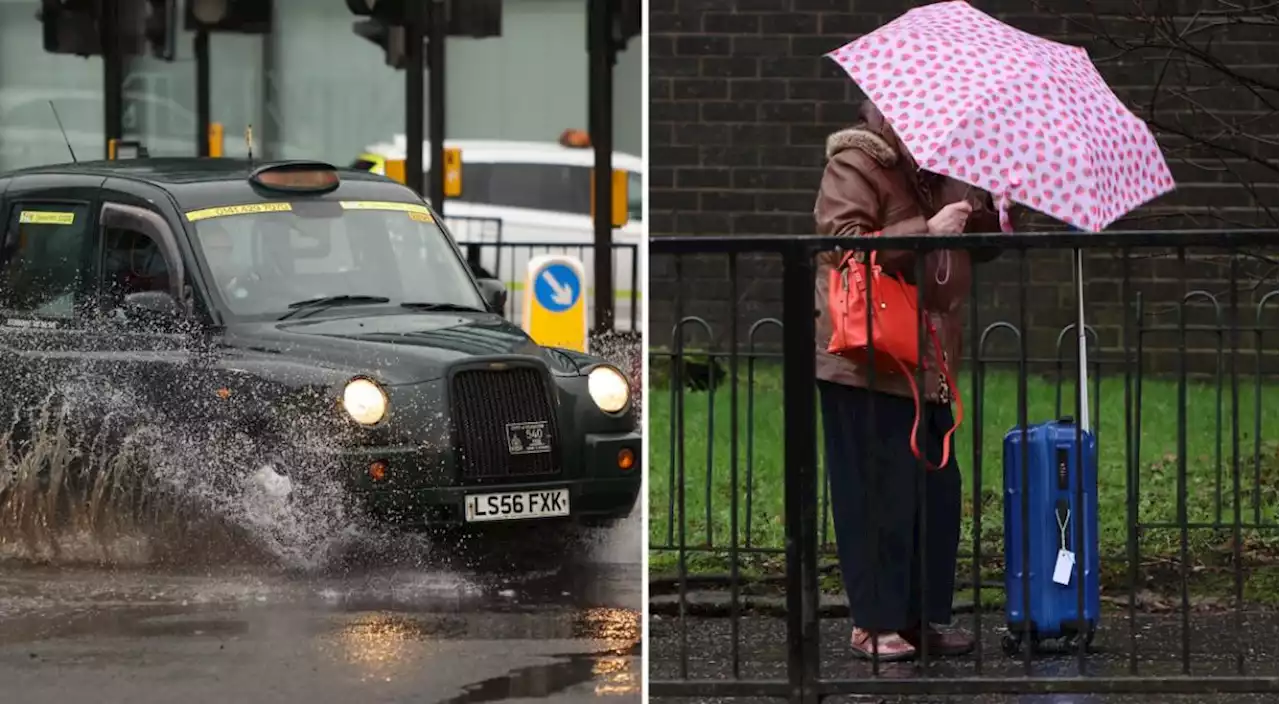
point(1066, 559)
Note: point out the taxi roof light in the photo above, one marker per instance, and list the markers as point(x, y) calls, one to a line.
point(296, 177)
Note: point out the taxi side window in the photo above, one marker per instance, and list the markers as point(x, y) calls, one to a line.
point(42, 258)
point(132, 262)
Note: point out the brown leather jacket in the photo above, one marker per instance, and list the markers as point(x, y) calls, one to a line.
point(869, 186)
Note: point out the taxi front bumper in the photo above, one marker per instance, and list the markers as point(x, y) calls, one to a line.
point(417, 487)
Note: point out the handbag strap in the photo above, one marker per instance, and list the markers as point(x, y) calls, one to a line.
point(915, 394)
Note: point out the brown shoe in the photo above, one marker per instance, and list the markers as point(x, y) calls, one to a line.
point(889, 647)
point(949, 643)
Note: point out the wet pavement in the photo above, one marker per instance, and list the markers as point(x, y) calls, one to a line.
point(375, 630)
point(1215, 638)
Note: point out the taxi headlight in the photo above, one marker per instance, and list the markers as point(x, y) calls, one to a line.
point(364, 401)
point(609, 389)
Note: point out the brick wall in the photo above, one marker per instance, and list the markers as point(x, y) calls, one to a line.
point(742, 101)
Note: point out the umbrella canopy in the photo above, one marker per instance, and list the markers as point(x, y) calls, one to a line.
point(1009, 112)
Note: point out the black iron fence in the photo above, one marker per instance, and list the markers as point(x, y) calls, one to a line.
point(492, 255)
point(744, 581)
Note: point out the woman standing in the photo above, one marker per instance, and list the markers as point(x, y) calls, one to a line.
point(872, 185)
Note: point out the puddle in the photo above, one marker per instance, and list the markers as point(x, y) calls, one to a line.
point(612, 671)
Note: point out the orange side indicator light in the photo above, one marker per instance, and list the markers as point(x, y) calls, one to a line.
point(626, 459)
point(378, 470)
point(223, 393)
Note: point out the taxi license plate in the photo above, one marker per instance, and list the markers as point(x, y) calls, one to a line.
point(515, 505)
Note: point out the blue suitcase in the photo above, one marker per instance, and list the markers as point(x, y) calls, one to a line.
point(1053, 608)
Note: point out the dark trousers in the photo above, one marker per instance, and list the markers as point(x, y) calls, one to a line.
point(876, 505)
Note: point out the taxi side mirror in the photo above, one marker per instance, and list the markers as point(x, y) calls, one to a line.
point(495, 295)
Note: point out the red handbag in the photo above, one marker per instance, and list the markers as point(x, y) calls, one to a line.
point(895, 336)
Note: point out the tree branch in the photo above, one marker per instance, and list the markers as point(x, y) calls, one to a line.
point(1224, 114)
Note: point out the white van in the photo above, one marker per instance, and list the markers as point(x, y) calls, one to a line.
point(533, 198)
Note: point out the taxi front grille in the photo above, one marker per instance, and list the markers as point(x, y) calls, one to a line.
point(504, 425)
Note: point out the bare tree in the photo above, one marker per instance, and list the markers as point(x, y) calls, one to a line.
point(1212, 93)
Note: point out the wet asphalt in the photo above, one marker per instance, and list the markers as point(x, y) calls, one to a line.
point(705, 645)
point(373, 629)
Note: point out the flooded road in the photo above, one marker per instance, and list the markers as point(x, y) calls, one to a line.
point(375, 629)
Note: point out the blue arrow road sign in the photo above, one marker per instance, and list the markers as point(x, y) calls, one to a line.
point(557, 288)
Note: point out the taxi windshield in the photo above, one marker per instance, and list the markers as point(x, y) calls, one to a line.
point(270, 258)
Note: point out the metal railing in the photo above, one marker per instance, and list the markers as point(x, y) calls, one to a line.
point(740, 515)
point(492, 256)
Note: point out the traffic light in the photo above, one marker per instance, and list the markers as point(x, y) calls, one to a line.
point(613, 23)
point(388, 36)
point(241, 16)
point(71, 27)
point(158, 25)
point(385, 27)
point(75, 27)
point(389, 10)
point(627, 20)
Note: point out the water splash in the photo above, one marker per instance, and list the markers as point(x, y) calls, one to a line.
point(623, 350)
point(93, 474)
point(129, 487)
point(623, 542)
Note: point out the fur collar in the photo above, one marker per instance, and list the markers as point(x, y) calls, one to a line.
point(859, 137)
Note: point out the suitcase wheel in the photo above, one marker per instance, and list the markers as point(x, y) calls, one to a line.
point(1011, 643)
point(1072, 642)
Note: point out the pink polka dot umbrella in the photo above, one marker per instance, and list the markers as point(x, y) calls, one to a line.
point(1022, 117)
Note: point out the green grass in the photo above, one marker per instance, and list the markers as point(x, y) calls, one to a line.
point(1211, 548)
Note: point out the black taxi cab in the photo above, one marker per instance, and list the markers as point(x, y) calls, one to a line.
point(291, 298)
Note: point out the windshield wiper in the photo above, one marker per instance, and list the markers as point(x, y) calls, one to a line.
point(446, 307)
point(322, 302)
